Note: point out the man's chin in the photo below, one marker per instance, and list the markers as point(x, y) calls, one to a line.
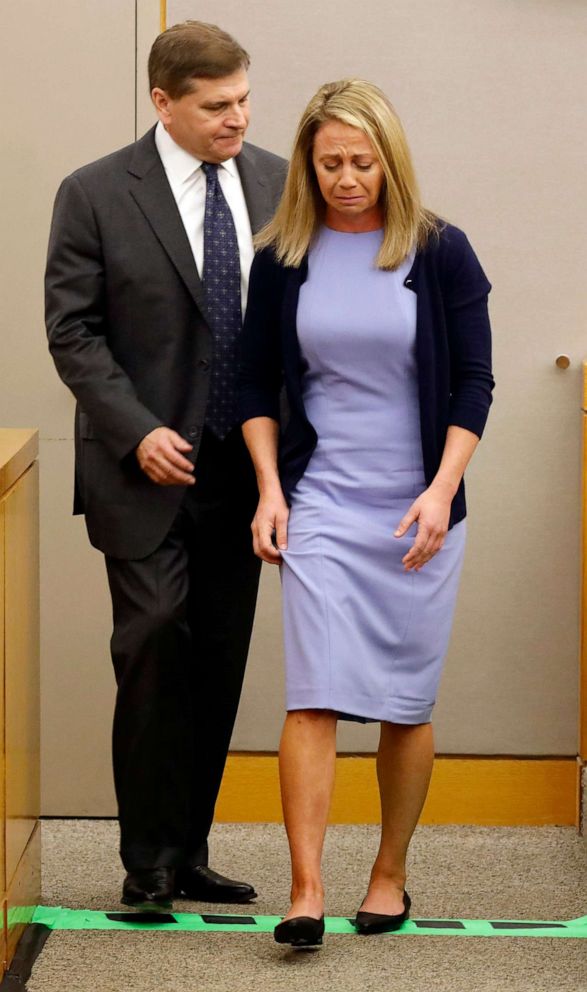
point(228, 147)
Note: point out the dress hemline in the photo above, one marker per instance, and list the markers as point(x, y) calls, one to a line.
point(406, 711)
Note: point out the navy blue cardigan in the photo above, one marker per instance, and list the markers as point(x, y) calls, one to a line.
point(453, 353)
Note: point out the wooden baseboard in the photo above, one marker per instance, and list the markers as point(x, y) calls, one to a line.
point(484, 791)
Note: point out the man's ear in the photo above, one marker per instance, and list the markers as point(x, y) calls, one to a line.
point(162, 103)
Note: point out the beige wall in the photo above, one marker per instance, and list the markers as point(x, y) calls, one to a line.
point(488, 93)
point(76, 60)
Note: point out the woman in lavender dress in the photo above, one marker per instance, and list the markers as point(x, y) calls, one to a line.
point(374, 313)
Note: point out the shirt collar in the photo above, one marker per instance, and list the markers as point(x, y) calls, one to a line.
point(178, 162)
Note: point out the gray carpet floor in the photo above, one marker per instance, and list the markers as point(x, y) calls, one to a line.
point(456, 872)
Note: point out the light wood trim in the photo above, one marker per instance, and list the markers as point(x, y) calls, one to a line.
point(486, 791)
point(24, 893)
point(163, 14)
point(18, 449)
point(583, 656)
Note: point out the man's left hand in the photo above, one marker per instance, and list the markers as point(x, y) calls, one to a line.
point(160, 456)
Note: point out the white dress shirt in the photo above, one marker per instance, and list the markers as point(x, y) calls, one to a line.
point(188, 185)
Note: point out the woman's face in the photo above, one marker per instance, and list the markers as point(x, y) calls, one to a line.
point(350, 177)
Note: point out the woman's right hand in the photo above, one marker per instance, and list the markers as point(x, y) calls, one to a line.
point(270, 519)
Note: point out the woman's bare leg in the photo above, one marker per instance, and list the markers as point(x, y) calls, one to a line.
point(404, 766)
point(307, 756)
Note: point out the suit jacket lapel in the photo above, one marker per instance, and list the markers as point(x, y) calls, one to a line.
point(152, 192)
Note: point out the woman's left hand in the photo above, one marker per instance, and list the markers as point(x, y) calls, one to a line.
point(432, 511)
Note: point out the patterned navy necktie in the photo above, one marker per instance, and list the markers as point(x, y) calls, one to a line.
point(222, 285)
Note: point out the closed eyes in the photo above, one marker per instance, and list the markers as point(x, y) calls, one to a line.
point(218, 108)
point(358, 165)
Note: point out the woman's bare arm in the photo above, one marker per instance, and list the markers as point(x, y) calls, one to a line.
point(261, 438)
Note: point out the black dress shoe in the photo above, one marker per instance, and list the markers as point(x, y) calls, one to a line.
point(149, 889)
point(300, 931)
point(367, 923)
point(201, 883)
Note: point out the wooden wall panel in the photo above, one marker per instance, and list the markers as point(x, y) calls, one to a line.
point(24, 892)
point(20, 851)
point(3, 937)
point(583, 663)
point(21, 666)
point(2, 757)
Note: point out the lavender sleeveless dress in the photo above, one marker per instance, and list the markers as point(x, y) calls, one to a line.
point(363, 637)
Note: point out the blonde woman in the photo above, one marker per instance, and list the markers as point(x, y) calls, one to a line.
point(374, 314)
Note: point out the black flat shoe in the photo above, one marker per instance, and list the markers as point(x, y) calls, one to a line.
point(149, 889)
point(367, 923)
point(300, 931)
point(205, 885)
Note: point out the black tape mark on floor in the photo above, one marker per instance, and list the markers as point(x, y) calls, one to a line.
point(440, 924)
point(234, 921)
point(140, 918)
point(516, 925)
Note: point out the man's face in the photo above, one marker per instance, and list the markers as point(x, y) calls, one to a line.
point(210, 122)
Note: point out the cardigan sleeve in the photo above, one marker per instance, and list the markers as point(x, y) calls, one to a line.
point(465, 293)
point(260, 366)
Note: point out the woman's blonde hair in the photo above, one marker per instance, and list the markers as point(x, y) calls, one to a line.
point(407, 225)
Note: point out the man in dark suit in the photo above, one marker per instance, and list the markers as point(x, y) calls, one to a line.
point(146, 283)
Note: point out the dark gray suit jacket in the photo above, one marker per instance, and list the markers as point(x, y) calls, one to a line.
point(126, 321)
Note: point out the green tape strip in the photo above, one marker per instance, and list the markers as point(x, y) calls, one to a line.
point(58, 918)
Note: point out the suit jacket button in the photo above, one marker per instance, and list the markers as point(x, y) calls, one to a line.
point(204, 364)
point(193, 432)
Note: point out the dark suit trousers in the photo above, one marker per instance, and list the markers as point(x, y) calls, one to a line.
point(182, 624)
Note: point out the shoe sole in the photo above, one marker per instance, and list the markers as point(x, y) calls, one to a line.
point(303, 934)
point(147, 906)
point(301, 943)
